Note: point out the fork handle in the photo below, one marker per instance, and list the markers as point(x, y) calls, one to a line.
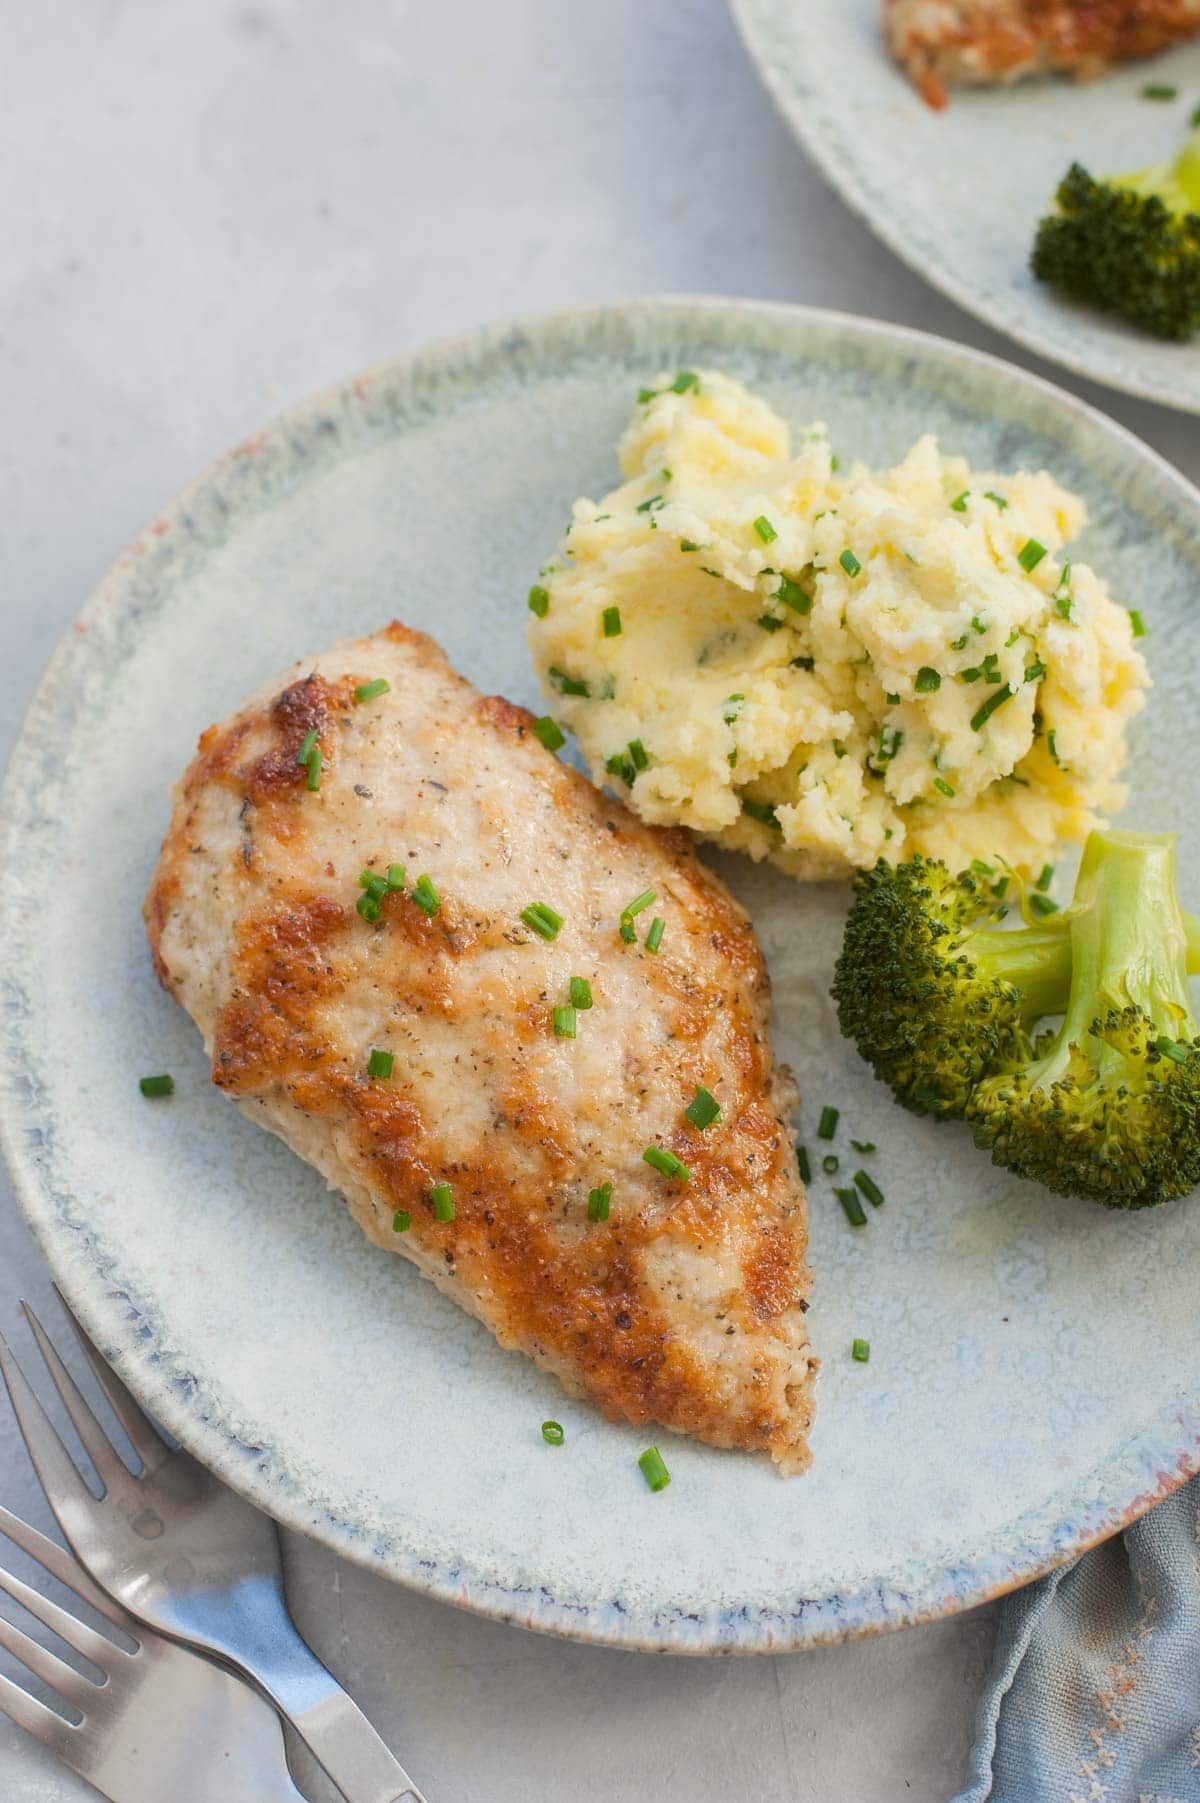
point(331, 1725)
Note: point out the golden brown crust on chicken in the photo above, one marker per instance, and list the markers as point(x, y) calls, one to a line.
point(687, 1306)
point(946, 43)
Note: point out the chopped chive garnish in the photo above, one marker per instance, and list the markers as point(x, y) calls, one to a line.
point(802, 1161)
point(828, 1123)
point(793, 596)
point(667, 1163)
point(1177, 1050)
point(313, 780)
point(426, 896)
point(379, 1064)
point(542, 919)
point(687, 378)
point(865, 1146)
point(989, 494)
point(687, 544)
point(762, 811)
point(612, 622)
point(581, 992)
point(1046, 877)
point(638, 903)
point(654, 937)
point(307, 746)
point(368, 906)
point(376, 886)
point(803, 663)
point(943, 787)
point(443, 1201)
point(646, 394)
point(1035, 671)
point(850, 563)
point(539, 601)
point(1031, 554)
point(928, 681)
point(401, 1221)
point(861, 1350)
point(552, 1433)
point(628, 932)
point(1052, 743)
point(869, 1188)
point(829, 1164)
point(619, 765)
point(564, 1022)
point(653, 505)
point(568, 685)
point(599, 1202)
point(704, 1110)
point(653, 1469)
point(1137, 623)
point(959, 503)
point(157, 1086)
point(637, 755)
point(765, 530)
point(855, 1213)
point(1159, 90)
point(549, 732)
point(769, 623)
point(396, 875)
point(371, 691)
point(996, 699)
point(1042, 904)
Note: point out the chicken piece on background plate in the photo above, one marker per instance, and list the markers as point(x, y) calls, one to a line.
point(942, 44)
point(475, 993)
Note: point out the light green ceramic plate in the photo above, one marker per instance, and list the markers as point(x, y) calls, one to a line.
point(1035, 1371)
point(958, 193)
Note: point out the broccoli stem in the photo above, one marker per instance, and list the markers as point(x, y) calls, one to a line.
point(1037, 960)
point(1177, 183)
point(1129, 944)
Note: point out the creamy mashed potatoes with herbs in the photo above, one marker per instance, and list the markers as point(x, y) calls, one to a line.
point(824, 665)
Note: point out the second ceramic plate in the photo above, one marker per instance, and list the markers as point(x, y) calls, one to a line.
point(1035, 1371)
point(958, 193)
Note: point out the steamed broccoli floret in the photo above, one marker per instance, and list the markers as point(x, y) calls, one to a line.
point(934, 992)
point(1129, 244)
point(1109, 1105)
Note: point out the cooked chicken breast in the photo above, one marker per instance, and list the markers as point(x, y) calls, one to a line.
point(476, 1146)
point(944, 43)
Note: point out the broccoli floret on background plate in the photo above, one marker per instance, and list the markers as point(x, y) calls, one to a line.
point(1108, 1106)
point(944, 1002)
point(933, 992)
point(1129, 244)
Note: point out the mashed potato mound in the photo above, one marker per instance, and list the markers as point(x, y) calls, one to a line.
point(822, 666)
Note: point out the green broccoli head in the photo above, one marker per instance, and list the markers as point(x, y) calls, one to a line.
point(1108, 1106)
point(934, 993)
point(1129, 244)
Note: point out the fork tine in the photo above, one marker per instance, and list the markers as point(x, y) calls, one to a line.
point(145, 1438)
point(44, 1724)
point(59, 1563)
point(114, 1472)
point(60, 1621)
point(61, 1677)
point(54, 1465)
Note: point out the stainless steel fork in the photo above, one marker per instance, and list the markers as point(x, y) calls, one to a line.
point(162, 1722)
point(189, 1557)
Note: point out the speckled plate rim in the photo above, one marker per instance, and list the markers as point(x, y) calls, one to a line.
point(837, 159)
point(125, 1324)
